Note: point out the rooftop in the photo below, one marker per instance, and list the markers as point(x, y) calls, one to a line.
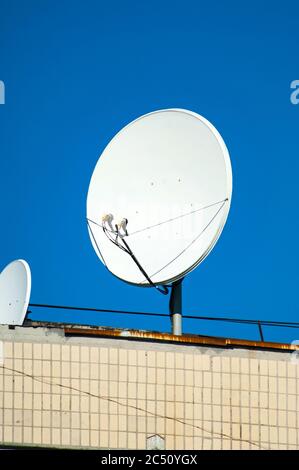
point(141, 335)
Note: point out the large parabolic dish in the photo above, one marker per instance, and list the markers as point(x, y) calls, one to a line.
point(161, 190)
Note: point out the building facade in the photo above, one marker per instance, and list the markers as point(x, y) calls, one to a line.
point(76, 387)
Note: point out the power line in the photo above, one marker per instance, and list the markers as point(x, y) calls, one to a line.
point(137, 408)
point(100, 310)
point(154, 314)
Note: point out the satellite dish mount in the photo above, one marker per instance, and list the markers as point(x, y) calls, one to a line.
point(175, 307)
point(165, 221)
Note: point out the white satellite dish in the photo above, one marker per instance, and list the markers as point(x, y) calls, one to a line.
point(15, 288)
point(159, 197)
point(169, 174)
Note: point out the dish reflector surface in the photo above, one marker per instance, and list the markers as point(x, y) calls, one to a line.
point(15, 288)
point(167, 173)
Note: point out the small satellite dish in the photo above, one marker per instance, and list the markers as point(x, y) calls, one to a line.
point(159, 197)
point(15, 288)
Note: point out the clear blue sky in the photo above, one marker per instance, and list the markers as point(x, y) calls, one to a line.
point(77, 71)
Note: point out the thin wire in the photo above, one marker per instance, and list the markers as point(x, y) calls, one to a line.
point(191, 243)
point(98, 248)
point(128, 250)
point(163, 289)
point(136, 408)
point(190, 317)
point(99, 225)
point(178, 217)
point(165, 221)
point(87, 309)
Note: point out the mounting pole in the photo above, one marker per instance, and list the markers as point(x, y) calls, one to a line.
point(175, 307)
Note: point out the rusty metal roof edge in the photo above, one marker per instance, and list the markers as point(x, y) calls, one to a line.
point(72, 329)
point(184, 339)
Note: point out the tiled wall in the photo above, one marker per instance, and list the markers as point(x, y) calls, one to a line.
point(117, 393)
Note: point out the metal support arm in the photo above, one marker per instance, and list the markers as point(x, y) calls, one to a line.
point(175, 307)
